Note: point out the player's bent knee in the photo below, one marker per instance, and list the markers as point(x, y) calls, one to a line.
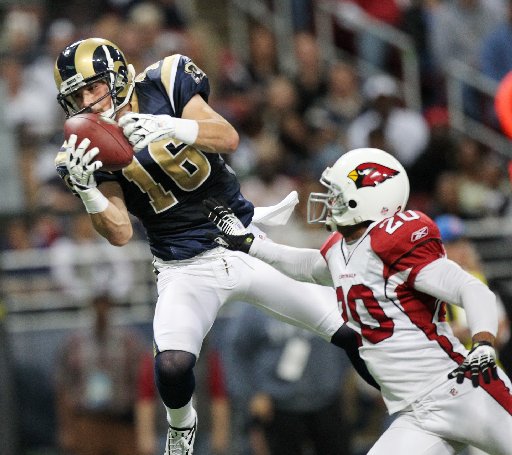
point(174, 377)
point(173, 366)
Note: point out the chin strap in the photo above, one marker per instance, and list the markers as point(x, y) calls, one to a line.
point(131, 86)
point(111, 112)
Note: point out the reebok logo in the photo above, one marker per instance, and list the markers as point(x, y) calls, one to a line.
point(419, 234)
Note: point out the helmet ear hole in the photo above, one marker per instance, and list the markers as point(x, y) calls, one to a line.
point(352, 204)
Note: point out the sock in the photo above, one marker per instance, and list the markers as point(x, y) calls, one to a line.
point(181, 417)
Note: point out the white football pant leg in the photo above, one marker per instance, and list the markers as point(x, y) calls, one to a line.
point(190, 296)
point(187, 306)
point(305, 305)
point(481, 416)
point(405, 437)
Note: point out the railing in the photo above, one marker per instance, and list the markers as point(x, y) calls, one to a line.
point(461, 75)
point(280, 21)
point(493, 238)
point(36, 300)
point(356, 20)
point(329, 12)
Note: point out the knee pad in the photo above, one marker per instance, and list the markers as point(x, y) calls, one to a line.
point(173, 366)
point(174, 377)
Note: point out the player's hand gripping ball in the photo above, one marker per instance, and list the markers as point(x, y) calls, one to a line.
point(115, 150)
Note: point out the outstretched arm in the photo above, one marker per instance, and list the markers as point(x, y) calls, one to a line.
point(302, 264)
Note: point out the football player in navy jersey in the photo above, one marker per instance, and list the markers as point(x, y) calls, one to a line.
point(392, 279)
point(178, 139)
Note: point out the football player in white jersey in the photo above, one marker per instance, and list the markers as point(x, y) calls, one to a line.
point(392, 279)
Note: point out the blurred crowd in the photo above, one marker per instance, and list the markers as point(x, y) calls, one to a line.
point(292, 123)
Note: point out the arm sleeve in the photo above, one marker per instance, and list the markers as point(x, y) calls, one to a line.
point(302, 264)
point(446, 280)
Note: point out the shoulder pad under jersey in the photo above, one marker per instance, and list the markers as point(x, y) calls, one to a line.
point(179, 77)
point(410, 234)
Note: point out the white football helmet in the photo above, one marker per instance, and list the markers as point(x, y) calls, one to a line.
point(365, 184)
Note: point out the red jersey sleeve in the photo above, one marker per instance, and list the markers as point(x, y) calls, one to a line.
point(408, 240)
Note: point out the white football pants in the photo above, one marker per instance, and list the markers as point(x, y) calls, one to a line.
point(451, 417)
point(191, 292)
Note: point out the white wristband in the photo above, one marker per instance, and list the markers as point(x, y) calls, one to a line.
point(186, 130)
point(93, 200)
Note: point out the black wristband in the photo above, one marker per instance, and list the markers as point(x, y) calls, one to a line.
point(247, 243)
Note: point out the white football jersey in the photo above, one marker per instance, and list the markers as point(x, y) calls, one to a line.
point(407, 344)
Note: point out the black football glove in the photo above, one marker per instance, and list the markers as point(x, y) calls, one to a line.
point(481, 359)
point(234, 235)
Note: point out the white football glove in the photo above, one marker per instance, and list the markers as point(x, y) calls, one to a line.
point(142, 129)
point(481, 359)
point(80, 163)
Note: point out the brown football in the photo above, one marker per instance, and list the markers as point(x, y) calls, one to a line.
point(115, 150)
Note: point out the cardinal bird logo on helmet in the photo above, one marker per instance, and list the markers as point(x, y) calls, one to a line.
point(371, 174)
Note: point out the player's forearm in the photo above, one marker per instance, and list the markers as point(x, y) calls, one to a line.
point(302, 264)
point(113, 224)
point(108, 212)
point(484, 336)
point(447, 281)
point(145, 415)
point(216, 136)
point(481, 311)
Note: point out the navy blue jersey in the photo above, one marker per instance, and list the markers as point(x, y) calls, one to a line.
point(166, 183)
